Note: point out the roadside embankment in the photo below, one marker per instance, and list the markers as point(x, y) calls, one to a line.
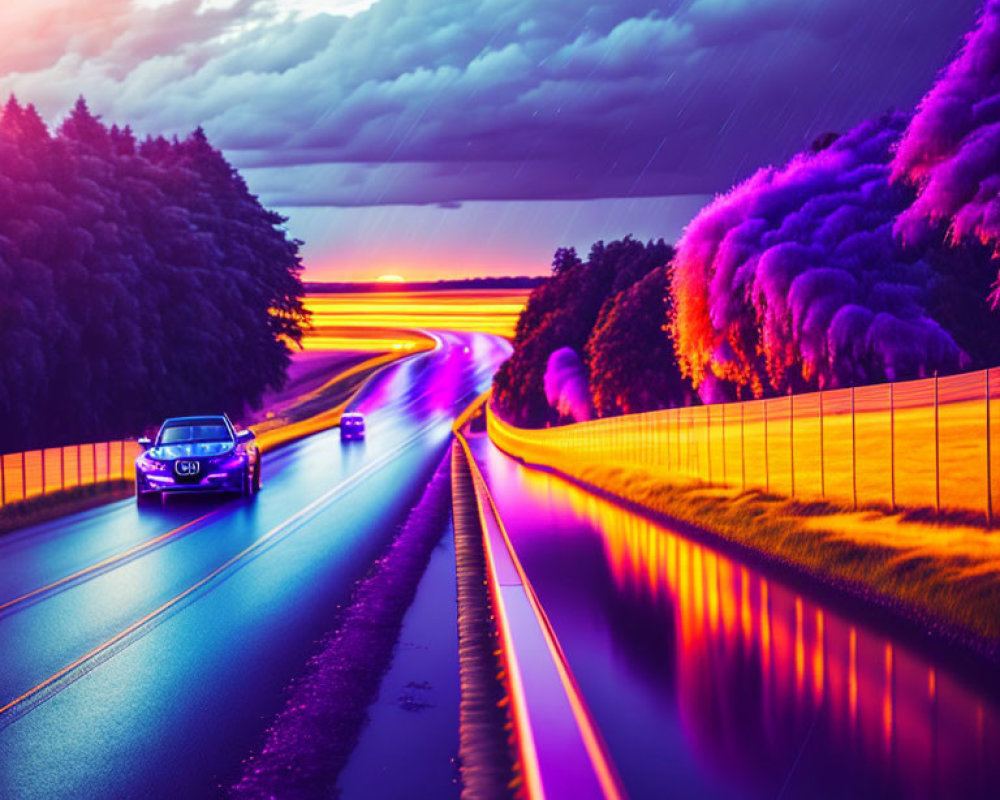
point(45, 507)
point(560, 753)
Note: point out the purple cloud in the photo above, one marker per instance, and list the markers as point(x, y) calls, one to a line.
point(422, 101)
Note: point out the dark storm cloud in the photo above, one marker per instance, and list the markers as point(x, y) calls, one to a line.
point(445, 100)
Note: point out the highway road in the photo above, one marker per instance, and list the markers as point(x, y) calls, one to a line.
point(142, 654)
point(711, 677)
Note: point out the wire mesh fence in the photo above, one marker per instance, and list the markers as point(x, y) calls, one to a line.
point(915, 444)
point(38, 472)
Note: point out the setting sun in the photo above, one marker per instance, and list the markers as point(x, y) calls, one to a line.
point(390, 279)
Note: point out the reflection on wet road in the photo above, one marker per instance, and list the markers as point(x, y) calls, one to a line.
point(709, 678)
point(142, 654)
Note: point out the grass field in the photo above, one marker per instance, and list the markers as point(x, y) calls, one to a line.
point(368, 320)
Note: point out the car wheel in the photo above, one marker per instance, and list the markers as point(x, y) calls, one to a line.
point(146, 499)
point(247, 483)
point(256, 476)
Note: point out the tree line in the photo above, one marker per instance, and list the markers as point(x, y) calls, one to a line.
point(138, 279)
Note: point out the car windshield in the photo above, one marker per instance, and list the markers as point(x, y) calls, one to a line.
point(195, 431)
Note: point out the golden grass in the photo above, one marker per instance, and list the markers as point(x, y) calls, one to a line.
point(487, 310)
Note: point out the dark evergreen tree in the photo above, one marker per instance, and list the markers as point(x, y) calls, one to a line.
point(565, 259)
point(630, 356)
point(136, 281)
point(561, 313)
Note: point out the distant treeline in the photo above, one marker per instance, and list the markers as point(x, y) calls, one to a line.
point(506, 282)
point(138, 279)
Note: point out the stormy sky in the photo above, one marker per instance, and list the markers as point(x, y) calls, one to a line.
point(448, 137)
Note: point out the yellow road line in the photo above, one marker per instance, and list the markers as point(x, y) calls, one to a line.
point(107, 562)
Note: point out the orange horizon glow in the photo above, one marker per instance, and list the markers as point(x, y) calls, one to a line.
point(348, 320)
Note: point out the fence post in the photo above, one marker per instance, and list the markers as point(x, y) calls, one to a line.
point(724, 481)
point(791, 437)
point(892, 446)
point(743, 448)
point(767, 461)
point(937, 450)
point(669, 440)
point(822, 456)
point(62, 468)
point(42, 453)
point(689, 427)
point(24, 477)
point(989, 458)
point(854, 455)
point(684, 443)
point(708, 440)
point(675, 440)
point(107, 459)
point(78, 478)
point(3, 482)
point(93, 462)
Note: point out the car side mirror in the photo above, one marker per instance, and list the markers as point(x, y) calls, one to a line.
point(242, 437)
point(145, 442)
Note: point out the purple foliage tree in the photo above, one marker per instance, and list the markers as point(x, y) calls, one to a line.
point(794, 278)
point(951, 149)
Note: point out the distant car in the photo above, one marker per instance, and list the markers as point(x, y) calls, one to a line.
point(352, 426)
point(197, 454)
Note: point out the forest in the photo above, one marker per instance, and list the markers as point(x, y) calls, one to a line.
point(138, 279)
point(870, 256)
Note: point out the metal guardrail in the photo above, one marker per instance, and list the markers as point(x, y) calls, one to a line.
point(37, 472)
point(561, 752)
point(914, 444)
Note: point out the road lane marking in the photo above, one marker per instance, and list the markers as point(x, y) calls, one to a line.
point(285, 526)
point(107, 562)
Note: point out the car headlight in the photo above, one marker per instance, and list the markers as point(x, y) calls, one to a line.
point(150, 464)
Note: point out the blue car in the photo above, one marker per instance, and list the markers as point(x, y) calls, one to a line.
point(352, 426)
point(197, 454)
